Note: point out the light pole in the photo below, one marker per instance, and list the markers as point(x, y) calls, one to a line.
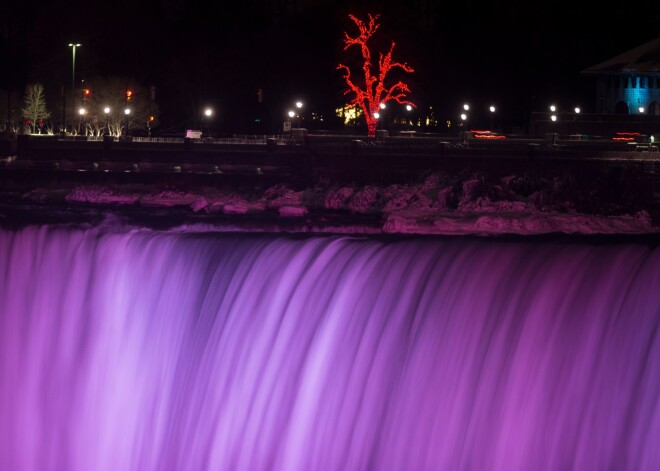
point(377, 116)
point(492, 114)
point(553, 118)
point(464, 123)
point(641, 112)
point(106, 110)
point(73, 47)
point(291, 114)
point(208, 112)
point(299, 105)
point(81, 112)
point(127, 112)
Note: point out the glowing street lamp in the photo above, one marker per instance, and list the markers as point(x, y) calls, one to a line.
point(106, 110)
point(299, 105)
point(553, 118)
point(291, 114)
point(409, 109)
point(81, 112)
point(208, 112)
point(466, 107)
point(641, 110)
point(492, 113)
point(577, 110)
point(127, 112)
point(553, 108)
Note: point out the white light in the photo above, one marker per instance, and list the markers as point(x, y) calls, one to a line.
point(376, 115)
point(106, 110)
point(492, 109)
point(382, 106)
point(208, 112)
point(74, 45)
point(577, 110)
point(553, 108)
point(641, 109)
point(463, 116)
point(292, 114)
point(82, 111)
point(466, 107)
point(299, 104)
point(127, 111)
point(553, 118)
point(408, 107)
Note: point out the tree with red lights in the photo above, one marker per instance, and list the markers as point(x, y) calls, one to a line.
point(370, 89)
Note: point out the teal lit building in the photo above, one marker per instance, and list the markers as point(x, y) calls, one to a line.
point(629, 83)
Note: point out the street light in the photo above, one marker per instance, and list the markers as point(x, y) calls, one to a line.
point(106, 110)
point(466, 107)
point(81, 112)
point(409, 109)
point(641, 112)
point(492, 113)
point(577, 110)
point(127, 112)
point(553, 118)
point(208, 112)
point(299, 105)
point(73, 75)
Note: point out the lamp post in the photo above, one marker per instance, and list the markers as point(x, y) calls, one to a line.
point(291, 114)
point(208, 112)
point(73, 47)
point(641, 112)
point(492, 114)
point(106, 110)
point(464, 118)
point(553, 118)
point(377, 116)
point(127, 113)
point(299, 105)
point(81, 112)
point(409, 109)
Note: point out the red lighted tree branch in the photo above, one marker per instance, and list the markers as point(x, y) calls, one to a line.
point(370, 90)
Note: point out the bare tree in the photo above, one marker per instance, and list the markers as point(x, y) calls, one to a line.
point(369, 87)
point(34, 108)
point(116, 94)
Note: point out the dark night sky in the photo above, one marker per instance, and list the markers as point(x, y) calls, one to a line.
point(519, 55)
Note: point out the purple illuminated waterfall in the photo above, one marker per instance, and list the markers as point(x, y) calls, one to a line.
point(146, 350)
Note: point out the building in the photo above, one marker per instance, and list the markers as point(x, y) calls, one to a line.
point(627, 99)
point(630, 82)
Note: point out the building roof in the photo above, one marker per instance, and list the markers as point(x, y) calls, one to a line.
point(642, 59)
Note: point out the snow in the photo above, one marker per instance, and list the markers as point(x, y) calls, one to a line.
point(472, 204)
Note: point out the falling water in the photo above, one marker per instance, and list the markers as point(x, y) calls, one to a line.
point(148, 350)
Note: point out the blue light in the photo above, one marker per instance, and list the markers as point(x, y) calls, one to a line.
point(636, 97)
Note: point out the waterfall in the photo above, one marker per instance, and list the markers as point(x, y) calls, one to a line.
point(137, 349)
